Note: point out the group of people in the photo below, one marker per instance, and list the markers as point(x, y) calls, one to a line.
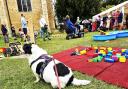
point(110, 21)
point(23, 31)
point(113, 20)
point(43, 29)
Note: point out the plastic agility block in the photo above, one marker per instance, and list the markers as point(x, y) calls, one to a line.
point(100, 54)
point(126, 52)
point(115, 58)
point(83, 52)
point(126, 56)
point(109, 49)
point(102, 48)
point(118, 55)
point(109, 60)
point(99, 58)
point(108, 56)
point(96, 51)
point(123, 50)
point(114, 52)
point(123, 53)
point(122, 59)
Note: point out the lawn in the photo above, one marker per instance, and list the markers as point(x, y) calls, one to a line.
point(16, 74)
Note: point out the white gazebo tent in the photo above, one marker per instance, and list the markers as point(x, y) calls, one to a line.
point(123, 7)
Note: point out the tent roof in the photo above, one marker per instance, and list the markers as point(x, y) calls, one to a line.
point(113, 8)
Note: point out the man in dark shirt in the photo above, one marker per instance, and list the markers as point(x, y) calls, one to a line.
point(120, 19)
point(127, 21)
point(5, 33)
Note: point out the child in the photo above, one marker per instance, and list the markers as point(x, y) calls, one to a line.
point(21, 34)
point(13, 32)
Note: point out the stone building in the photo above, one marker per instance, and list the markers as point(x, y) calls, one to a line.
point(11, 10)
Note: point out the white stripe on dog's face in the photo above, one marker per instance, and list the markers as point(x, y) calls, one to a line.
point(37, 50)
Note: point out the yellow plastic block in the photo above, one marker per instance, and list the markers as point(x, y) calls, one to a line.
point(123, 50)
point(122, 59)
point(95, 47)
point(90, 60)
point(102, 51)
point(83, 52)
point(109, 49)
point(103, 48)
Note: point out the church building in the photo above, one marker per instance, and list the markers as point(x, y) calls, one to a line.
point(11, 10)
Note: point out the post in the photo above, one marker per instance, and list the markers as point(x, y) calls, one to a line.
point(45, 12)
point(31, 29)
point(7, 16)
point(0, 24)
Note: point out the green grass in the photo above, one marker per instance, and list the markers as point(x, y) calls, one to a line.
point(16, 74)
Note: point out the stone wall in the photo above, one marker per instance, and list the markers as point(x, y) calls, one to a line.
point(4, 19)
point(39, 7)
point(32, 17)
point(51, 15)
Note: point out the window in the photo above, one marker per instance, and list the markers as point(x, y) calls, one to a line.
point(24, 5)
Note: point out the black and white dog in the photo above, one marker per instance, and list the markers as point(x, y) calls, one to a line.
point(43, 67)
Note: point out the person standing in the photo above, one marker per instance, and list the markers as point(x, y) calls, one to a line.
point(5, 33)
point(24, 26)
point(120, 19)
point(13, 32)
point(127, 21)
point(94, 25)
point(108, 22)
point(44, 29)
point(98, 20)
point(78, 23)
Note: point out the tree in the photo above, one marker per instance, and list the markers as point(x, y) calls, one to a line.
point(106, 4)
point(75, 8)
point(114, 2)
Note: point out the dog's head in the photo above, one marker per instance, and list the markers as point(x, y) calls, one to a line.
point(27, 48)
point(33, 49)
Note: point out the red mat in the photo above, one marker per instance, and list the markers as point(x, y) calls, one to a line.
point(113, 73)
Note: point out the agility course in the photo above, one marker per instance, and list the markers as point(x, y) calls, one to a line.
point(111, 72)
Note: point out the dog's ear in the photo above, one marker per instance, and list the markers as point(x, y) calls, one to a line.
point(29, 43)
point(27, 48)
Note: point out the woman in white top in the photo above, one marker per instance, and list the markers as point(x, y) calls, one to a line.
point(108, 22)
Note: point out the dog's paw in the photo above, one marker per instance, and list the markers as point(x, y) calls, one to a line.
point(36, 81)
point(85, 82)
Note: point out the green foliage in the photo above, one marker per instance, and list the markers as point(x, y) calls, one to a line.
point(110, 3)
point(114, 2)
point(107, 7)
point(82, 8)
point(74, 8)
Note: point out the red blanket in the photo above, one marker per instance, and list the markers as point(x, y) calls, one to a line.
point(114, 73)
